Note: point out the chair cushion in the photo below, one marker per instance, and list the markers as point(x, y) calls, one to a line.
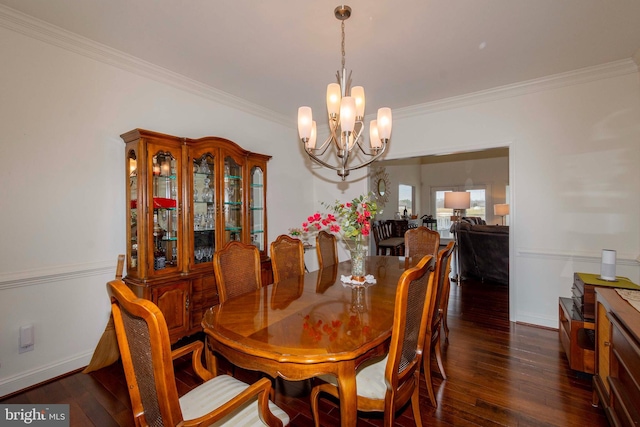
point(369, 379)
point(219, 390)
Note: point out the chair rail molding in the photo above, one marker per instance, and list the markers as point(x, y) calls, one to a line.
point(589, 257)
point(55, 274)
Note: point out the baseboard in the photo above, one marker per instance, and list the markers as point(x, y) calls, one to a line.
point(42, 374)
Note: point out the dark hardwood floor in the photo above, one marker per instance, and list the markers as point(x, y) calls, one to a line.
point(499, 373)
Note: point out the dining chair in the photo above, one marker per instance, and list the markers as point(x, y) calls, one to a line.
point(446, 290)
point(439, 312)
point(147, 359)
point(287, 258)
point(237, 269)
point(387, 384)
point(384, 239)
point(327, 249)
point(421, 241)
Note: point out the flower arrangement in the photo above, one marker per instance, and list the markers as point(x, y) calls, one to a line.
point(351, 219)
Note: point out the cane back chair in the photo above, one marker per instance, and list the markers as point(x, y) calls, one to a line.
point(385, 385)
point(147, 359)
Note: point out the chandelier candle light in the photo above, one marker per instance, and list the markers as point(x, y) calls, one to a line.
point(345, 107)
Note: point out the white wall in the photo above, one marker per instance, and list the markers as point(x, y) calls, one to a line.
point(62, 216)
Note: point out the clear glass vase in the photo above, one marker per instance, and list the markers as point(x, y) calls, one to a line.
point(357, 264)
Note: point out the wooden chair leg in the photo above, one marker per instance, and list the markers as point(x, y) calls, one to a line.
point(445, 326)
point(415, 403)
point(445, 310)
point(426, 366)
point(437, 352)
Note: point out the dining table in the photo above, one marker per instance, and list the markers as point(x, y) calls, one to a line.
point(309, 325)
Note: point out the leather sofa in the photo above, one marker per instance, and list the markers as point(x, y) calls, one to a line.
point(484, 251)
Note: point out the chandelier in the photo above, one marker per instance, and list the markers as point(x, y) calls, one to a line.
point(345, 107)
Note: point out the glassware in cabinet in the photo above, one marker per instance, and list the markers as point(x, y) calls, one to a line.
point(166, 230)
point(132, 211)
point(204, 202)
point(232, 212)
point(257, 218)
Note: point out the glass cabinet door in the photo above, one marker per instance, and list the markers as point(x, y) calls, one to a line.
point(165, 229)
point(232, 209)
point(257, 208)
point(132, 202)
point(204, 215)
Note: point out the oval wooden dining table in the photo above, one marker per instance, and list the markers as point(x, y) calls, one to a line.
point(309, 325)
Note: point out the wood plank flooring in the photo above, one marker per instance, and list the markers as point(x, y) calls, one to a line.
point(499, 374)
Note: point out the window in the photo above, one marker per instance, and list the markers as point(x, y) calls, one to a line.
point(405, 199)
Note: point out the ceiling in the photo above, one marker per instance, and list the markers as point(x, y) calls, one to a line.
point(281, 54)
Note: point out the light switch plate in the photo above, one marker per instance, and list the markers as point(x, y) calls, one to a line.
point(26, 339)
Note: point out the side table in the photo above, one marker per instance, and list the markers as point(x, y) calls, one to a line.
point(577, 319)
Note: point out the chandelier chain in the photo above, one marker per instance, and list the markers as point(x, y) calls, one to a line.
point(343, 45)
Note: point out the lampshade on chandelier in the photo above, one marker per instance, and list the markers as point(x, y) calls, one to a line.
point(345, 107)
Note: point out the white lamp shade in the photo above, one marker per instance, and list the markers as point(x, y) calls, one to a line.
point(333, 99)
point(305, 121)
point(501, 209)
point(374, 138)
point(347, 114)
point(384, 123)
point(357, 92)
point(457, 200)
point(311, 144)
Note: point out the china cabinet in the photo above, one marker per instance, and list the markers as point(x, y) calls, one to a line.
point(186, 198)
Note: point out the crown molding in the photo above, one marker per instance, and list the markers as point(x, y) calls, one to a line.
point(555, 81)
point(51, 34)
point(43, 31)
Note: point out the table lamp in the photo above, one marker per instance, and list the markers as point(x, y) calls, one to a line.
point(501, 210)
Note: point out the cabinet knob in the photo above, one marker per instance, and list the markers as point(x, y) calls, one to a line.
point(607, 344)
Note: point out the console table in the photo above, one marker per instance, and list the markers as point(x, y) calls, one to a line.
point(577, 326)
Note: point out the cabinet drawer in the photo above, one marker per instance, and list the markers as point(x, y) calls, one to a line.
point(625, 374)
